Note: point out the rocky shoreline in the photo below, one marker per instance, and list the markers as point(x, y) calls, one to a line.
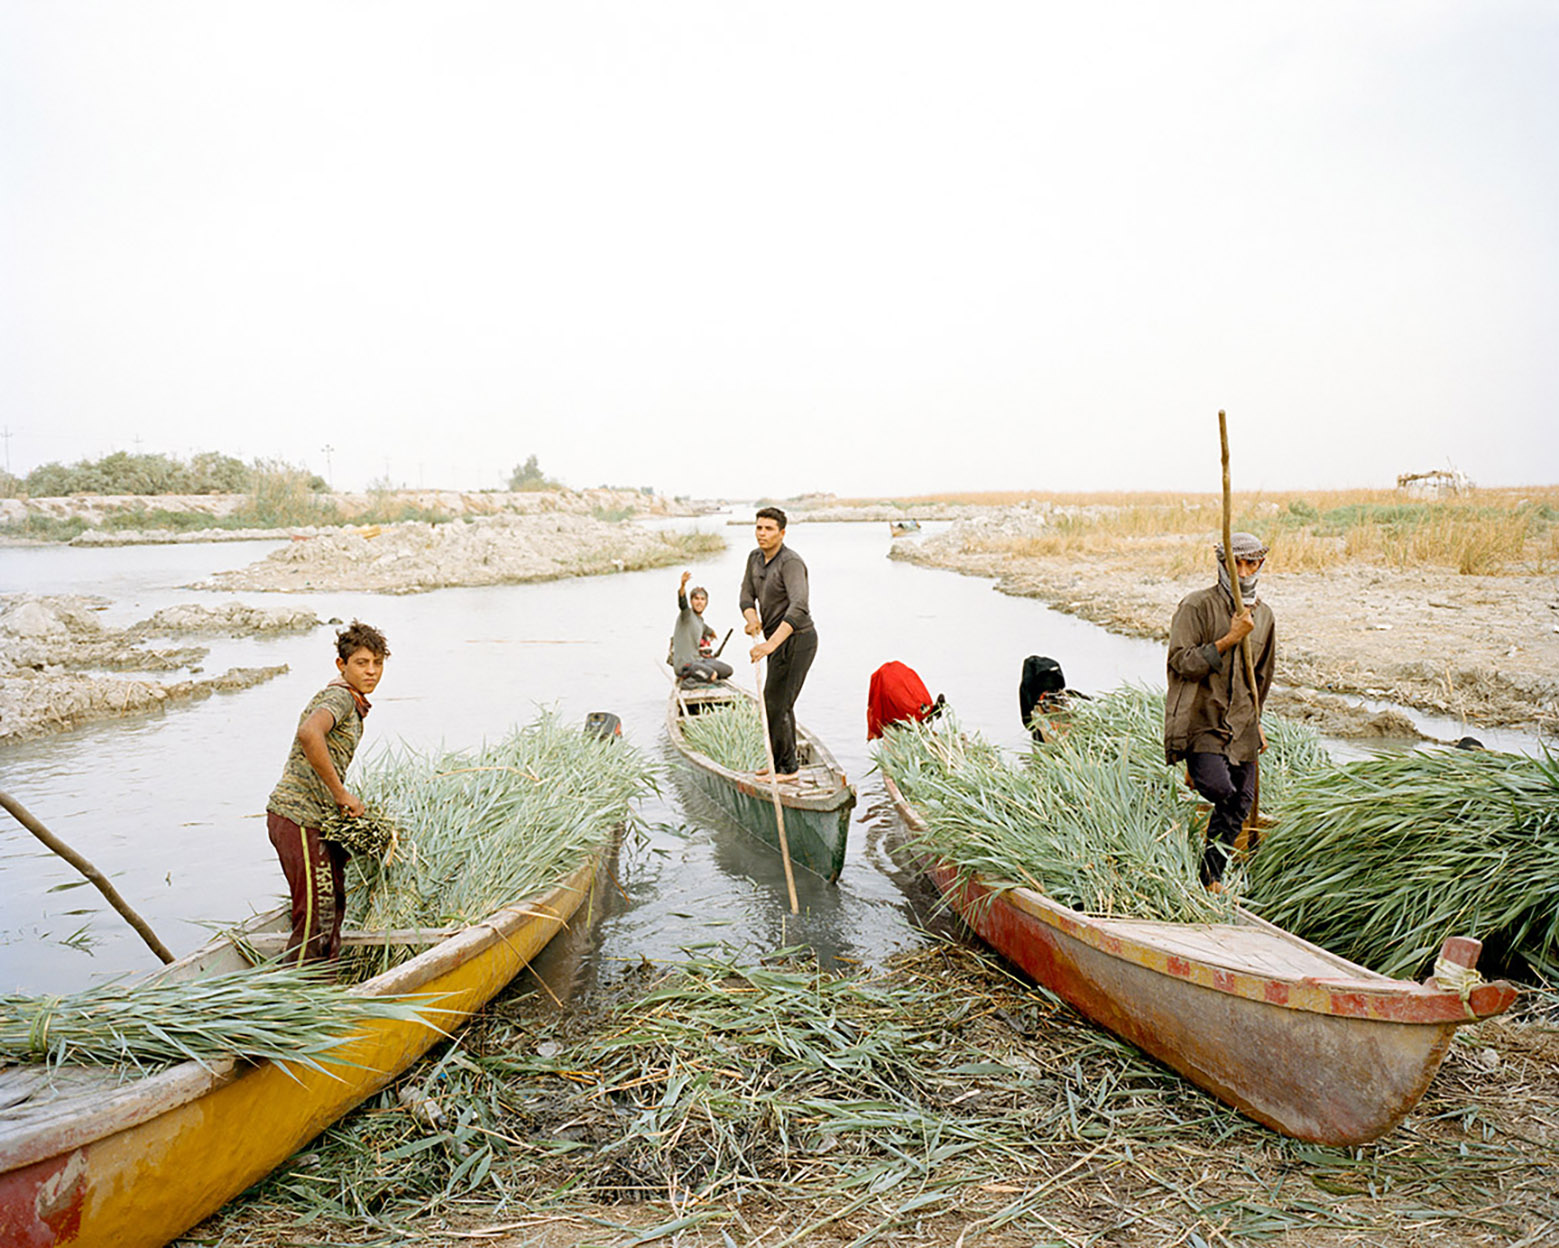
point(1483, 650)
point(56, 655)
point(53, 650)
point(1480, 649)
point(414, 558)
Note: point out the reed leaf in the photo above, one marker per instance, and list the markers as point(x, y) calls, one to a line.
point(1095, 820)
point(286, 1014)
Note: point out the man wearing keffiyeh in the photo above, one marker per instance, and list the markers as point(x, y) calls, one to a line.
point(312, 787)
point(1212, 717)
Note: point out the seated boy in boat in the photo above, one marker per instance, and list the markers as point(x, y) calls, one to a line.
point(692, 640)
point(312, 787)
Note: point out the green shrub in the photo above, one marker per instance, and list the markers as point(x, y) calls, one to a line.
point(283, 496)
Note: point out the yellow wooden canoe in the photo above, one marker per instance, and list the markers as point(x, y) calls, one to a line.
point(91, 1158)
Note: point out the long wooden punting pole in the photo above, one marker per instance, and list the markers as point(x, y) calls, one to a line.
point(779, 810)
point(1234, 585)
point(97, 878)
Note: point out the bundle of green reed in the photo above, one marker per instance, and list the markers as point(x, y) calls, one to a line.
point(492, 825)
point(731, 734)
point(1095, 820)
point(1136, 715)
point(1381, 859)
point(373, 833)
point(1085, 822)
point(287, 1014)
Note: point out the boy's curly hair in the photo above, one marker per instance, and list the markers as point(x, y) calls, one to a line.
point(359, 636)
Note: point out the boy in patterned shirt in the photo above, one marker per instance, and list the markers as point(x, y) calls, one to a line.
point(311, 787)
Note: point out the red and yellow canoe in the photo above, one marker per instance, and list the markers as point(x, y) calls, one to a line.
point(1306, 1042)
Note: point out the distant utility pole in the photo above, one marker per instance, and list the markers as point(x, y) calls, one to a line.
point(7, 436)
point(137, 441)
point(330, 478)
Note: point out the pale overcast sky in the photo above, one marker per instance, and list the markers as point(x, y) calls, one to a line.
point(739, 248)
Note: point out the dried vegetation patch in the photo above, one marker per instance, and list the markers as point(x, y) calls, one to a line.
point(1448, 606)
point(939, 1101)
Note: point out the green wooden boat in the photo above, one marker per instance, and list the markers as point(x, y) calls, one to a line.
point(817, 802)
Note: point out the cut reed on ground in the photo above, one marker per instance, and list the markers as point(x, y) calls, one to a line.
point(491, 826)
point(726, 1100)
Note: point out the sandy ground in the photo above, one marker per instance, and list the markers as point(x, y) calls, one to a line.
point(1483, 649)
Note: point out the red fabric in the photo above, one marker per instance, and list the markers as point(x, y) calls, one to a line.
point(896, 694)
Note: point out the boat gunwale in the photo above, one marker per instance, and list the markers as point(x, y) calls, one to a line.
point(1365, 994)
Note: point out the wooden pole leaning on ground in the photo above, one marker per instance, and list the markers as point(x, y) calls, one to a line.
point(1239, 601)
point(97, 878)
point(779, 810)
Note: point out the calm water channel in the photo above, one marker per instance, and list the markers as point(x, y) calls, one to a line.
point(171, 805)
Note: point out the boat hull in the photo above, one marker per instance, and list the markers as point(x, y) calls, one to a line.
point(1335, 1058)
point(816, 839)
point(192, 1139)
point(817, 816)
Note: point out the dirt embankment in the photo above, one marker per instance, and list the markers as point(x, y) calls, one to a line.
point(1483, 649)
point(54, 652)
point(142, 519)
point(494, 550)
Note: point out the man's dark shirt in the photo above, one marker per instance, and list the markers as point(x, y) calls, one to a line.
point(778, 589)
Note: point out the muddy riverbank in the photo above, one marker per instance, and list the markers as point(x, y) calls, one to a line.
point(1481, 649)
point(59, 661)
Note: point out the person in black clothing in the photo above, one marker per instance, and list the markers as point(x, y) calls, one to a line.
point(1043, 698)
point(774, 604)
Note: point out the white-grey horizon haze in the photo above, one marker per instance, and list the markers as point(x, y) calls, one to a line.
point(745, 250)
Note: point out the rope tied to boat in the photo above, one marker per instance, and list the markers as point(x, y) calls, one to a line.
point(38, 1033)
point(1458, 979)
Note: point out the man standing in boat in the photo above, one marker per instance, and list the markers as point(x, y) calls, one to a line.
point(1212, 717)
point(692, 640)
point(774, 604)
point(312, 787)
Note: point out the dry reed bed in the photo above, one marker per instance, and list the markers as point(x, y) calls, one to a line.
point(1480, 532)
point(941, 1099)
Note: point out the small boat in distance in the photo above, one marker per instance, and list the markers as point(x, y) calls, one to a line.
point(903, 528)
point(99, 1158)
point(817, 802)
point(1299, 1039)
